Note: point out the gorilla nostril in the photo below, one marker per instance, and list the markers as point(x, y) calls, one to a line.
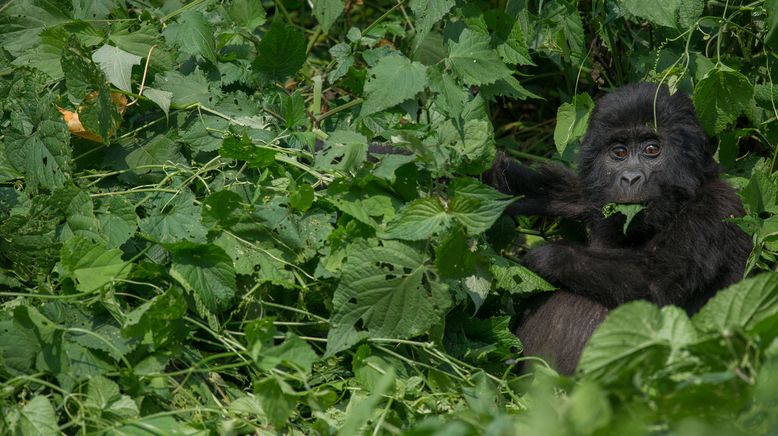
point(630, 178)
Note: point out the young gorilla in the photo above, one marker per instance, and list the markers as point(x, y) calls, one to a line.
point(678, 250)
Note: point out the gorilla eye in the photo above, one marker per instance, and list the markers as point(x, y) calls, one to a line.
point(651, 150)
point(619, 152)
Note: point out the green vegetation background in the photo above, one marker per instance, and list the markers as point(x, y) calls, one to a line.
point(206, 246)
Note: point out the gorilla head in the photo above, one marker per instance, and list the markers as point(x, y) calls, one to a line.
point(643, 143)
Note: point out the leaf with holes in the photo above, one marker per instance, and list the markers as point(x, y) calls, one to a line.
point(389, 290)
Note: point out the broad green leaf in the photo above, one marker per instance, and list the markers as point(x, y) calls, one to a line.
point(104, 398)
point(509, 37)
point(720, 97)
point(174, 218)
point(662, 12)
point(244, 149)
point(628, 210)
point(428, 13)
point(480, 340)
point(571, 121)
point(516, 278)
point(41, 151)
point(451, 96)
point(158, 151)
point(185, 90)
point(341, 54)
point(248, 13)
point(117, 65)
point(475, 205)
point(78, 209)
point(391, 81)
point(206, 271)
point(387, 291)
point(23, 21)
point(293, 352)
point(474, 61)
point(635, 337)
point(91, 265)
point(590, 409)
point(46, 55)
point(281, 52)
point(327, 11)
point(362, 407)
point(37, 417)
point(689, 11)
point(345, 151)
point(277, 403)
point(301, 198)
point(193, 35)
point(419, 219)
point(160, 98)
point(751, 304)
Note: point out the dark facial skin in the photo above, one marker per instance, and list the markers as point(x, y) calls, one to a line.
point(633, 161)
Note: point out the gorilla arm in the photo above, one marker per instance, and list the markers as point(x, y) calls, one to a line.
point(551, 190)
point(679, 263)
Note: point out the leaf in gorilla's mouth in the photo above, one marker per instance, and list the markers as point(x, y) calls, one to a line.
point(629, 210)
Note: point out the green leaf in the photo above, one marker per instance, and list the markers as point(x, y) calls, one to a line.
point(244, 149)
point(91, 265)
point(662, 12)
point(281, 52)
point(24, 21)
point(248, 13)
point(185, 90)
point(301, 198)
point(391, 81)
point(205, 270)
point(104, 398)
point(589, 409)
point(516, 278)
point(720, 97)
point(474, 61)
point(628, 210)
point(174, 218)
point(158, 151)
point(41, 151)
point(117, 65)
point(571, 121)
point(428, 13)
point(193, 35)
point(277, 403)
point(751, 304)
point(635, 337)
point(87, 85)
point(387, 291)
point(160, 98)
point(327, 11)
point(419, 219)
point(78, 209)
point(37, 417)
point(361, 408)
point(293, 352)
point(475, 205)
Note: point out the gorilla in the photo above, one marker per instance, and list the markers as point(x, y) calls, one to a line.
point(643, 145)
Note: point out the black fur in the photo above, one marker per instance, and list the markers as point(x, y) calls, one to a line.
point(677, 251)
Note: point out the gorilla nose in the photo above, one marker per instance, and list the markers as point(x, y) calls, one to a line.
point(630, 178)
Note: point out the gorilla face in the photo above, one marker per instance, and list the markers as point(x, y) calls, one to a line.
point(632, 162)
point(643, 143)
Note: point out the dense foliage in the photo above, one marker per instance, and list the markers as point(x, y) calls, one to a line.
point(194, 237)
